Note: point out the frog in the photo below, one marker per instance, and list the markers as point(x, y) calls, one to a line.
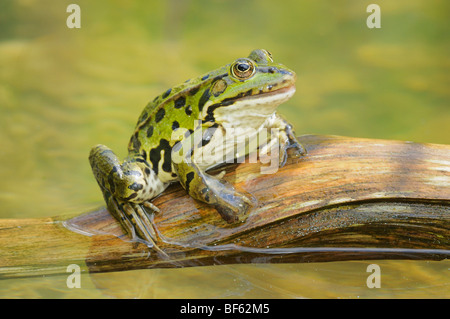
point(244, 94)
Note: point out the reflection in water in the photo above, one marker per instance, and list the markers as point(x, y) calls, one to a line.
point(323, 280)
point(399, 279)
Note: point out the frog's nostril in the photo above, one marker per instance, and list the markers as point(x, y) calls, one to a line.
point(286, 72)
point(272, 69)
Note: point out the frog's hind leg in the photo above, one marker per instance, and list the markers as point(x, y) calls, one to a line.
point(207, 188)
point(122, 185)
point(229, 203)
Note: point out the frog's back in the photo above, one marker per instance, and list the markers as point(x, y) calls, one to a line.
point(177, 107)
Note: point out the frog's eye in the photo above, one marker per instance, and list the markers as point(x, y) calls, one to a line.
point(243, 69)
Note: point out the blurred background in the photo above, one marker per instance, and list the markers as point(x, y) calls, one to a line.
point(64, 90)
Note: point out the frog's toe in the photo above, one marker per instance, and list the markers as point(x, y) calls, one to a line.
point(292, 141)
point(250, 201)
point(283, 158)
point(144, 228)
point(227, 213)
point(117, 210)
point(233, 206)
point(299, 149)
point(231, 213)
point(150, 205)
point(221, 174)
point(142, 222)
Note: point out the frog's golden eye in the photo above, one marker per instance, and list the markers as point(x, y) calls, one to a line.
point(243, 69)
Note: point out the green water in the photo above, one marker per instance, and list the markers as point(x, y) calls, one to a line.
point(63, 90)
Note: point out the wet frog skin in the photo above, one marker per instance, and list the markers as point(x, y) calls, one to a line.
point(242, 95)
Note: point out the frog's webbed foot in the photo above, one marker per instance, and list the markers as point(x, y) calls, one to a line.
point(135, 221)
point(284, 136)
point(288, 135)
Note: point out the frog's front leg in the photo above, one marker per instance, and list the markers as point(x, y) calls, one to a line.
point(125, 189)
point(204, 187)
point(282, 134)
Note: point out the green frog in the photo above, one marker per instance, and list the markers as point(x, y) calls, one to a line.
point(179, 133)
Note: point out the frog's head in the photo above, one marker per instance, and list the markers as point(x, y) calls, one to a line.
point(247, 91)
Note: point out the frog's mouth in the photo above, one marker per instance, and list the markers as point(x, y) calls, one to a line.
point(250, 107)
point(269, 94)
point(264, 102)
point(264, 95)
